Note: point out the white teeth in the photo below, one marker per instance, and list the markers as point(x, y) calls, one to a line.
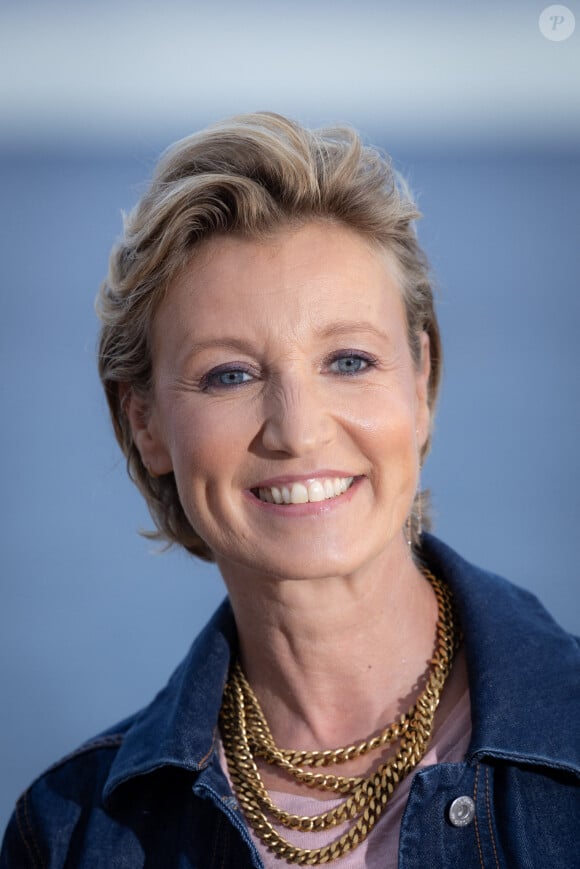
point(316, 491)
point(302, 493)
point(276, 495)
point(298, 494)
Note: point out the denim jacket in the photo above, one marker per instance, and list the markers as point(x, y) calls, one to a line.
point(150, 792)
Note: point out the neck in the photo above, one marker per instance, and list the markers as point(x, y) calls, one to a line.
point(334, 659)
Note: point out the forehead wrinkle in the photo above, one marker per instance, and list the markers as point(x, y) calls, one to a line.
point(286, 334)
point(275, 333)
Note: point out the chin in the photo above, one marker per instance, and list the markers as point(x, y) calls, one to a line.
point(301, 563)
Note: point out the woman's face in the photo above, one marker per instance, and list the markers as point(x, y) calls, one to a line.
point(282, 373)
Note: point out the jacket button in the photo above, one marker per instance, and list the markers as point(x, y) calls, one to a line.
point(462, 811)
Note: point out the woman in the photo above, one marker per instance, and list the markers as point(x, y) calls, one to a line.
point(271, 358)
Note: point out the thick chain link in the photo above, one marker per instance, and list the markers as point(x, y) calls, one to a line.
point(246, 736)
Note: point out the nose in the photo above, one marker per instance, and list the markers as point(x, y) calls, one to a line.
point(297, 420)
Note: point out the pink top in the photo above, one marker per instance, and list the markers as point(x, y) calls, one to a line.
point(380, 849)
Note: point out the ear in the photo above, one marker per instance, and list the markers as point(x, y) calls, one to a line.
point(423, 371)
point(146, 431)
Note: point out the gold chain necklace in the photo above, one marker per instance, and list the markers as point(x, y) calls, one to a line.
point(246, 736)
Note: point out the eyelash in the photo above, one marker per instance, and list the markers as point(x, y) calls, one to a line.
point(211, 380)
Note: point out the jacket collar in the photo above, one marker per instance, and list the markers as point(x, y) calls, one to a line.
point(523, 677)
point(179, 727)
point(523, 667)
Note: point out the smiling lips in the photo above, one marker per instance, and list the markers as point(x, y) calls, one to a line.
point(304, 492)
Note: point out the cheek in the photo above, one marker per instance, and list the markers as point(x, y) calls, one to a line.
point(383, 418)
point(206, 446)
point(385, 432)
point(199, 453)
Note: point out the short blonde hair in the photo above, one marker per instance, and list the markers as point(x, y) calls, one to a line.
point(253, 175)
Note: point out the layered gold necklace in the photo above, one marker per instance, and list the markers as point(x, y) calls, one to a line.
point(246, 737)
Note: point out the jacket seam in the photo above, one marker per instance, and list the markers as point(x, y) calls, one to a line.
point(208, 754)
point(24, 817)
point(477, 836)
point(548, 764)
point(489, 821)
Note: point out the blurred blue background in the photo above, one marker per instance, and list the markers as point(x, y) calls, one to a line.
point(479, 110)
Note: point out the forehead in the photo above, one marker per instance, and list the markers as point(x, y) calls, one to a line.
point(296, 279)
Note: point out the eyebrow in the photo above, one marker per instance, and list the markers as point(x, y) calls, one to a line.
point(338, 328)
point(345, 327)
point(226, 343)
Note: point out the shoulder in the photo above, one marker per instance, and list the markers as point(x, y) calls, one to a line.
point(56, 798)
point(522, 666)
point(102, 792)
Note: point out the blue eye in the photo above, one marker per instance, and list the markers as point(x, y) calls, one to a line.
point(232, 378)
point(349, 364)
point(225, 378)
